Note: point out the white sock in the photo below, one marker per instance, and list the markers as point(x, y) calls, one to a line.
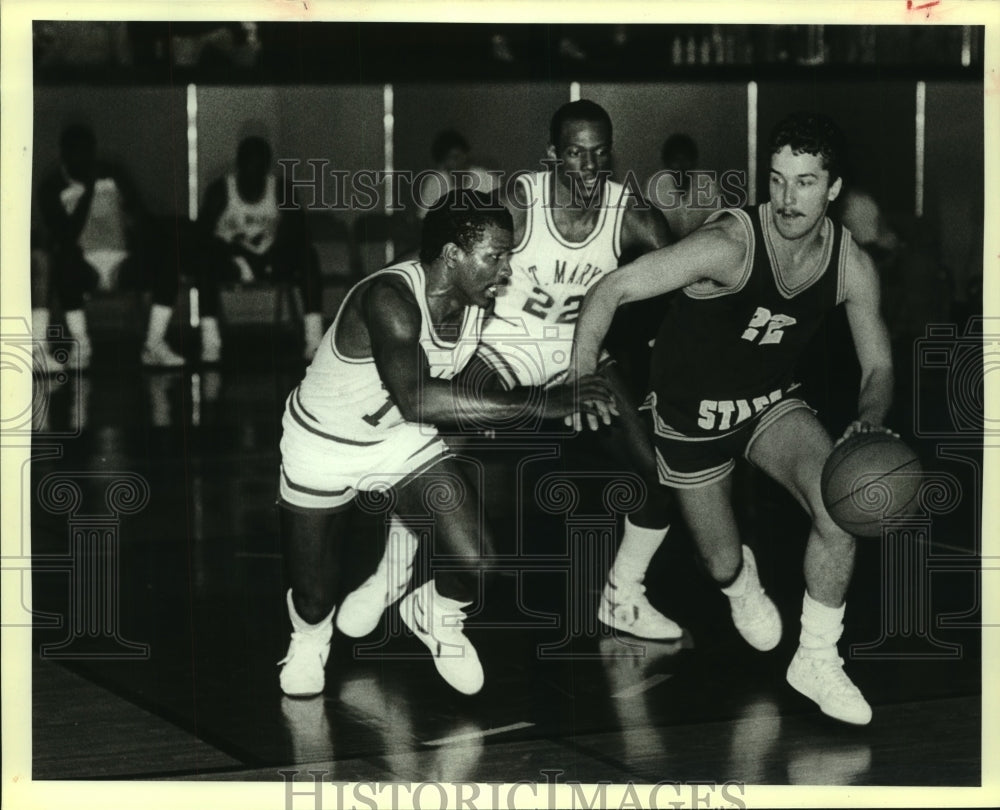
point(636, 551)
point(400, 547)
point(300, 624)
point(159, 319)
point(738, 586)
point(76, 323)
point(822, 626)
point(210, 335)
point(40, 324)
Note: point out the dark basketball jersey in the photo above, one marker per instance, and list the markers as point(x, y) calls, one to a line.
point(725, 354)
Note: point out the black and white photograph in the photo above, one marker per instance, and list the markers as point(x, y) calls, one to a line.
point(458, 405)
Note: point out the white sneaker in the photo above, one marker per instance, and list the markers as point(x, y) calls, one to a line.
point(359, 613)
point(754, 614)
point(821, 678)
point(439, 623)
point(160, 354)
point(303, 669)
point(625, 608)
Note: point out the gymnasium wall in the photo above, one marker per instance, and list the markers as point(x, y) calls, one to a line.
point(714, 115)
point(954, 186)
point(145, 129)
point(506, 124)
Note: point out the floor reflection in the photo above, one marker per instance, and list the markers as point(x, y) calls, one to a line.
point(308, 728)
point(755, 733)
point(829, 762)
point(454, 753)
point(635, 671)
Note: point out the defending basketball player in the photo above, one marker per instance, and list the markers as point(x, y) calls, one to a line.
point(363, 419)
point(572, 225)
point(756, 284)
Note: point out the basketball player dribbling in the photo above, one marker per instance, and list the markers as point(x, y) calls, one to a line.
point(572, 226)
point(364, 419)
point(756, 284)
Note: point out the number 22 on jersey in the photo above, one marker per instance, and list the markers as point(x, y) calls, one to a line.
point(772, 326)
point(543, 306)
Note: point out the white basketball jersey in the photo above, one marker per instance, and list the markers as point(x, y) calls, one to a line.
point(551, 275)
point(344, 398)
point(253, 226)
point(105, 228)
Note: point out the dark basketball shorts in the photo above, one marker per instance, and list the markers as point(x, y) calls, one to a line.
point(687, 461)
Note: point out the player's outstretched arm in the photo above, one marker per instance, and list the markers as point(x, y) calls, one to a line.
point(871, 342)
point(717, 252)
point(393, 319)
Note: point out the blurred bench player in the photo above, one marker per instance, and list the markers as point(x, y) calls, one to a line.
point(246, 234)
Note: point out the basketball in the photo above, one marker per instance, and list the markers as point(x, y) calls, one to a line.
point(868, 478)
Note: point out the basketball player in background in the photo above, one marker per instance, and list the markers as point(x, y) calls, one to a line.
point(99, 237)
point(452, 169)
point(756, 283)
point(572, 225)
point(364, 418)
point(685, 195)
point(246, 237)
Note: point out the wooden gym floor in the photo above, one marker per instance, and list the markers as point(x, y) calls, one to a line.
point(155, 658)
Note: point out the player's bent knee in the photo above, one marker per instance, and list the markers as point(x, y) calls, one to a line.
point(312, 608)
point(829, 532)
point(721, 565)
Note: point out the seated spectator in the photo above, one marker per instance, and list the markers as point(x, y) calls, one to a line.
point(861, 215)
point(245, 236)
point(100, 238)
point(915, 282)
point(685, 196)
point(450, 153)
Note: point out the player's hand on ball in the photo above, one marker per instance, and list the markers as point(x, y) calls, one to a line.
point(862, 426)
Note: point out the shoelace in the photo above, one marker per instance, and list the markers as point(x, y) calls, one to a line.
point(298, 639)
point(839, 684)
point(456, 621)
point(628, 590)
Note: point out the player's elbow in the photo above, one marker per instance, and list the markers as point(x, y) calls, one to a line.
point(607, 295)
point(410, 406)
point(421, 405)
